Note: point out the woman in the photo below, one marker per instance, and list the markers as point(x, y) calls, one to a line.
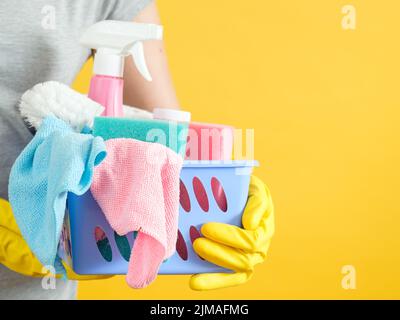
point(39, 41)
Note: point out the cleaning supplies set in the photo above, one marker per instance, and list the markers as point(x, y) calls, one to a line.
point(104, 188)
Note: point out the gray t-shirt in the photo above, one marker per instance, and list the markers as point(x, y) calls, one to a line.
point(39, 42)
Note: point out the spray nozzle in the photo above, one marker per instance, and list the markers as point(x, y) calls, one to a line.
point(114, 40)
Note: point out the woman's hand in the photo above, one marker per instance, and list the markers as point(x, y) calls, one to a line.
point(235, 248)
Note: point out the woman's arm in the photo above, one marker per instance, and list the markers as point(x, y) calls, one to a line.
point(160, 92)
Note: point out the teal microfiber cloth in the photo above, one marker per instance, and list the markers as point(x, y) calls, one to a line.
point(56, 161)
point(168, 133)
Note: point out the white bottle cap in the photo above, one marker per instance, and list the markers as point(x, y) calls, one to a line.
point(108, 63)
point(171, 115)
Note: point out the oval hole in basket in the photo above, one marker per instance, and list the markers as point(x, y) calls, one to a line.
point(184, 198)
point(194, 234)
point(181, 247)
point(201, 194)
point(219, 194)
point(103, 244)
point(123, 246)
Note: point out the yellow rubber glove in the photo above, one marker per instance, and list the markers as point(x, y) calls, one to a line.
point(15, 253)
point(235, 248)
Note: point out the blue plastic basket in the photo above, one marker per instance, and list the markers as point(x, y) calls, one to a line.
point(209, 192)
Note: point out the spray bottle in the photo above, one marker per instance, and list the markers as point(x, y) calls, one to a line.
point(113, 41)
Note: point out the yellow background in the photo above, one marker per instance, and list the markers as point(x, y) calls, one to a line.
point(324, 103)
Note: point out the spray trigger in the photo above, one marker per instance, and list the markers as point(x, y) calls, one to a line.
point(115, 40)
point(137, 52)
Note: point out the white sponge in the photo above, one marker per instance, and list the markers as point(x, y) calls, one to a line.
point(61, 101)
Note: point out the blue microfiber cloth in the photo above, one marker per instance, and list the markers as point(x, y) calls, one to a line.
point(168, 133)
point(56, 161)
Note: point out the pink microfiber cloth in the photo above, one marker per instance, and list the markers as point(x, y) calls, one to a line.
point(137, 187)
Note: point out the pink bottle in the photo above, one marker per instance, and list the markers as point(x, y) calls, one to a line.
point(209, 142)
point(107, 84)
point(108, 91)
